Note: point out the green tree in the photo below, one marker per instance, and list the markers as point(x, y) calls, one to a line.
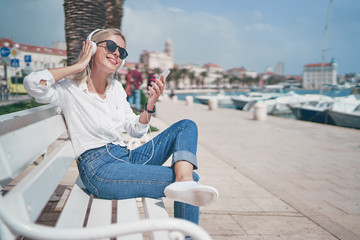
point(192, 78)
point(203, 76)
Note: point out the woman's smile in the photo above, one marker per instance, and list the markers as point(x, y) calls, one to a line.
point(112, 60)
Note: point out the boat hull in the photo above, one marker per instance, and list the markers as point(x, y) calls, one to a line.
point(239, 104)
point(312, 115)
point(351, 120)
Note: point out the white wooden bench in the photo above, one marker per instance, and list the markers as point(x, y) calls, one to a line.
point(27, 135)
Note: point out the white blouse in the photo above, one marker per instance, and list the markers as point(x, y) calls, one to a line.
point(92, 122)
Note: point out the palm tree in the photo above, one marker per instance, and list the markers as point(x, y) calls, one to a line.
point(175, 76)
point(114, 13)
point(192, 78)
point(83, 17)
point(203, 76)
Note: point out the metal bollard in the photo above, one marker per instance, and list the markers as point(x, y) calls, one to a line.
point(260, 111)
point(213, 104)
point(189, 100)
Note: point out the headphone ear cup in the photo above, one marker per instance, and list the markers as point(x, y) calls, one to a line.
point(93, 49)
point(93, 44)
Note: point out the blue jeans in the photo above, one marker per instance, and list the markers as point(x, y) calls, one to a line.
point(115, 172)
point(135, 96)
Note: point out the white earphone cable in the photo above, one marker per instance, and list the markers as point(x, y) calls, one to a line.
point(152, 141)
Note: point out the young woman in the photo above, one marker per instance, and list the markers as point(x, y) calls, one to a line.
point(97, 113)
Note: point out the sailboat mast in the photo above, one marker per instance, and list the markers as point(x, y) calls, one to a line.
point(325, 44)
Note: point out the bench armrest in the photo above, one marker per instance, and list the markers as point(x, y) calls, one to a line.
point(36, 231)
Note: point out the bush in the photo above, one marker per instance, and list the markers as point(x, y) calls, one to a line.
point(19, 106)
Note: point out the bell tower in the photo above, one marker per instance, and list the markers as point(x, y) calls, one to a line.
point(168, 48)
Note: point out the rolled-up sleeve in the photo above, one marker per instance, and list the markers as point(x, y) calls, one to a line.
point(134, 127)
point(41, 86)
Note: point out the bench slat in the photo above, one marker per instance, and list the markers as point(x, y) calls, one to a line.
point(100, 213)
point(154, 208)
point(74, 211)
point(127, 211)
point(28, 198)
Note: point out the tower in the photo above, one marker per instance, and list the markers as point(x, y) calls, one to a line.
point(168, 48)
point(280, 68)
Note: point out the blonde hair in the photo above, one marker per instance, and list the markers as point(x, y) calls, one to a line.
point(84, 75)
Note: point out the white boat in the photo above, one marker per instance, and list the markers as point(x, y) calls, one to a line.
point(314, 110)
point(346, 119)
point(280, 105)
point(341, 111)
point(246, 102)
point(221, 98)
point(346, 111)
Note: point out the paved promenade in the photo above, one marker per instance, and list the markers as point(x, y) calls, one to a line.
point(14, 99)
point(279, 179)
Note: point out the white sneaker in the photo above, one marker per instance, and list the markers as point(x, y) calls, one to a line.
point(192, 193)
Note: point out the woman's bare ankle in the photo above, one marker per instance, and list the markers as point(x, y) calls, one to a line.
point(183, 179)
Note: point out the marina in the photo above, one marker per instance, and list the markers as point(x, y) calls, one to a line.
point(308, 105)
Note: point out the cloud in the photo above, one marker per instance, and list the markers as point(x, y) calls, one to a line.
point(201, 37)
point(174, 9)
point(196, 36)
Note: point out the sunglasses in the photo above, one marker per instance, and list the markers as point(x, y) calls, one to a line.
point(112, 46)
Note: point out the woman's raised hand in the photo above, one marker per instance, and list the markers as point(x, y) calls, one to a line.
point(85, 56)
point(156, 89)
point(62, 72)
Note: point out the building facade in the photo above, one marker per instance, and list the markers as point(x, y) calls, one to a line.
point(41, 57)
point(317, 74)
point(242, 73)
point(159, 60)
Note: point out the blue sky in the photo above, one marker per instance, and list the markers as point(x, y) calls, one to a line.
point(254, 34)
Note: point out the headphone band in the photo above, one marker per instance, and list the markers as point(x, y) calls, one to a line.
point(92, 33)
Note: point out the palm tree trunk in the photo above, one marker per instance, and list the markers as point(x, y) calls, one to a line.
point(83, 17)
point(114, 13)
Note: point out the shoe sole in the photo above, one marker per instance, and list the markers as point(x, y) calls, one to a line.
point(197, 197)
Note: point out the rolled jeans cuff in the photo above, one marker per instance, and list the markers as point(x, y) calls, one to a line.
point(185, 156)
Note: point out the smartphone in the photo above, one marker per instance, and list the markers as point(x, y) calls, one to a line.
point(165, 73)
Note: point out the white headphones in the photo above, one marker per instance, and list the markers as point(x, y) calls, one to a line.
point(94, 46)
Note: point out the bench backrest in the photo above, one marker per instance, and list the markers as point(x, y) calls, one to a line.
point(24, 137)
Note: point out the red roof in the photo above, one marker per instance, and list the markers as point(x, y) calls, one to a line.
point(296, 78)
point(237, 69)
point(32, 48)
point(317, 64)
point(211, 65)
point(269, 73)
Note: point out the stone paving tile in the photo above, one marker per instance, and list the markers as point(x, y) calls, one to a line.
point(278, 225)
point(348, 206)
point(223, 224)
point(247, 237)
point(234, 204)
point(349, 193)
point(308, 237)
point(272, 205)
point(352, 222)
